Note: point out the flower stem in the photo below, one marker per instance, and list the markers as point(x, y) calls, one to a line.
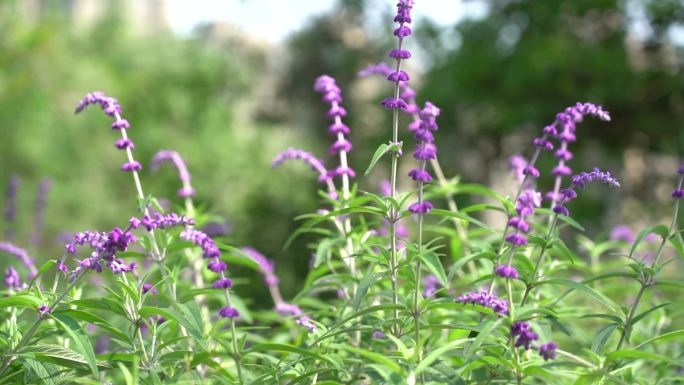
point(236, 350)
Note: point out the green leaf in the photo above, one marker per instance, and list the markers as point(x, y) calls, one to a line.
point(583, 288)
point(104, 304)
point(460, 215)
point(382, 150)
point(563, 218)
point(56, 355)
point(180, 318)
point(435, 354)
point(601, 338)
point(433, 263)
point(378, 358)
point(79, 337)
point(484, 333)
point(284, 348)
point(637, 354)
point(661, 230)
point(362, 290)
point(45, 267)
point(21, 300)
point(678, 334)
point(647, 312)
point(42, 371)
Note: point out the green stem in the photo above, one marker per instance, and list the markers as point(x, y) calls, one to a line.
point(542, 253)
point(393, 211)
point(630, 317)
point(236, 349)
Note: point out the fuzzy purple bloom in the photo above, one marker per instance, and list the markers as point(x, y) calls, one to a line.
point(506, 271)
point(287, 309)
point(223, 283)
point(266, 266)
point(622, 233)
point(678, 193)
point(548, 351)
point(306, 322)
point(217, 266)
point(486, 299)
point(229, 312)
point(12, 280)
point(517, 239)
point(175, 159)
point(21, 255)
point(209, 248)
point(149, 288)
point(377, 334)
point(431, 284)
point(131, 166)
point(420, 207)
point(524, 334)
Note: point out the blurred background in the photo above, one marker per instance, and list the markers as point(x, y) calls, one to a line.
point(228, 84)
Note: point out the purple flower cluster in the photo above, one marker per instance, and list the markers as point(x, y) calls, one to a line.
point(11, 206)
point(186, 191)
point(548, 351)
point(267, 266)
point(581, 180)
point(12, 279)
point(104, 248)
point(307, 322)
point(111, 107)
point(333, 96)
point(486, 299)
point(229, 312)
point(517, 164)
point(403, 17)
point(431, 284)
point(525, 336)
point(425, 150)
point(287, 309)
point(316, 165)
point(161, 221)
point(527, 202)
point(21, 255)
point(209, 248)
point(407, 93)
point(506, 271)
point(564, 129)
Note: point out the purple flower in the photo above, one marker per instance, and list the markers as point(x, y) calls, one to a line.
point(486, 299)
point(531, 171)
point(431, 284)
point(223, 283)
point(149, 288)
point(420, 175)
point(524, 334)
point(21, 255)
point(266, 266)
point(306, 322)
point(517, 164)
point(377, 334)
point(286, 309)
point(548, 351)
point(175, 159)
point(131, 166)
point(394, 104)
point(229, 312)
point(12, 280)
point(202, 240)
point(11, 206)
point(400, 54)
point(376, 69)
point(517, 239)
point(43, 310)
point(123, 144)
point(678, 193)
point(622, 233)
point(420, 207)
point(506, 271)
point(595, 176)
point(217, 266)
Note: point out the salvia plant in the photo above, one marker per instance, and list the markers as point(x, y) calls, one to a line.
point(404, 287)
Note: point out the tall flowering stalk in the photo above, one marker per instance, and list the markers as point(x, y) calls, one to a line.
point(396, 103)
point(22, 255)
point(648, 280)
point(186, 191)
point(425, 151)
point(333, 96)
point(567, 121)
point(324, 175)
point(567, 195)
